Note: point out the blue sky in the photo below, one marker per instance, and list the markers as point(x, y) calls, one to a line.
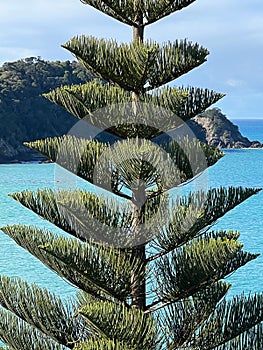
point(232, 30)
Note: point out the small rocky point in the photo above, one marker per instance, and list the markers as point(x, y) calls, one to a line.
point(213, 128)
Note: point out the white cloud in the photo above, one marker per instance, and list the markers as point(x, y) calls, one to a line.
point(234, 83)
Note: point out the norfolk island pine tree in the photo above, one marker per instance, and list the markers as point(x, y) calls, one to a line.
point(149, 269)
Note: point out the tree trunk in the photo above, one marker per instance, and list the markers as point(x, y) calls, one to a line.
point(138, 30)
point(138, 279)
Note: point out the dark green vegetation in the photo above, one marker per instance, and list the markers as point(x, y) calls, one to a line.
point(150, 272)
point(24, 114)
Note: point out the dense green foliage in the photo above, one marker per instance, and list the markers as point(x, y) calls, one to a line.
point(24, 113)
point(149, 269)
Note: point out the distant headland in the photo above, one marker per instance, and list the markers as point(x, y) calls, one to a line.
point(25, 115)
point(215, 129)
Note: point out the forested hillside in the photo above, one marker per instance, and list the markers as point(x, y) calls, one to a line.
point(24, 114)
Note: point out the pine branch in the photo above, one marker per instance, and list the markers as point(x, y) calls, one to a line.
point(190, 215)
point(91, 268)
point(158, 10)
point(198, 100)
point(197, 265)
point(71, 152)
point(40, 309)
point(94, 219)
point(18, 335)
point(252, 339)
point(105, 344)
point(81, 214)
point(110, 168)
point(183, 318)
point(230, 320)
point(84, 298)
point(78, 155)
point(118, 323)
point(125, 11)
point(106, 267)
point(190, 155)
point(121, 11)
point(121, 166)
point(110, 107)
point(135, 159)
point(126, 64)
point(83, 100)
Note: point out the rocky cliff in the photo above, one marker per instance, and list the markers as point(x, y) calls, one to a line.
point(214, 129)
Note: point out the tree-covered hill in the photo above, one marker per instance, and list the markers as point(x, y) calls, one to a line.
point(24, 114)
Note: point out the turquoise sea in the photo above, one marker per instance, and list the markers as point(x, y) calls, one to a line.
point(239, 167)
point(251, 128)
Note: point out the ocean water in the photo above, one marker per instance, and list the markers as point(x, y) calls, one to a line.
point(14, 261)
point(251, 128)
point(242, 167)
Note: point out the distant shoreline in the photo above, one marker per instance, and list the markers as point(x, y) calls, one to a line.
point(37, 162)
point(212, 128)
